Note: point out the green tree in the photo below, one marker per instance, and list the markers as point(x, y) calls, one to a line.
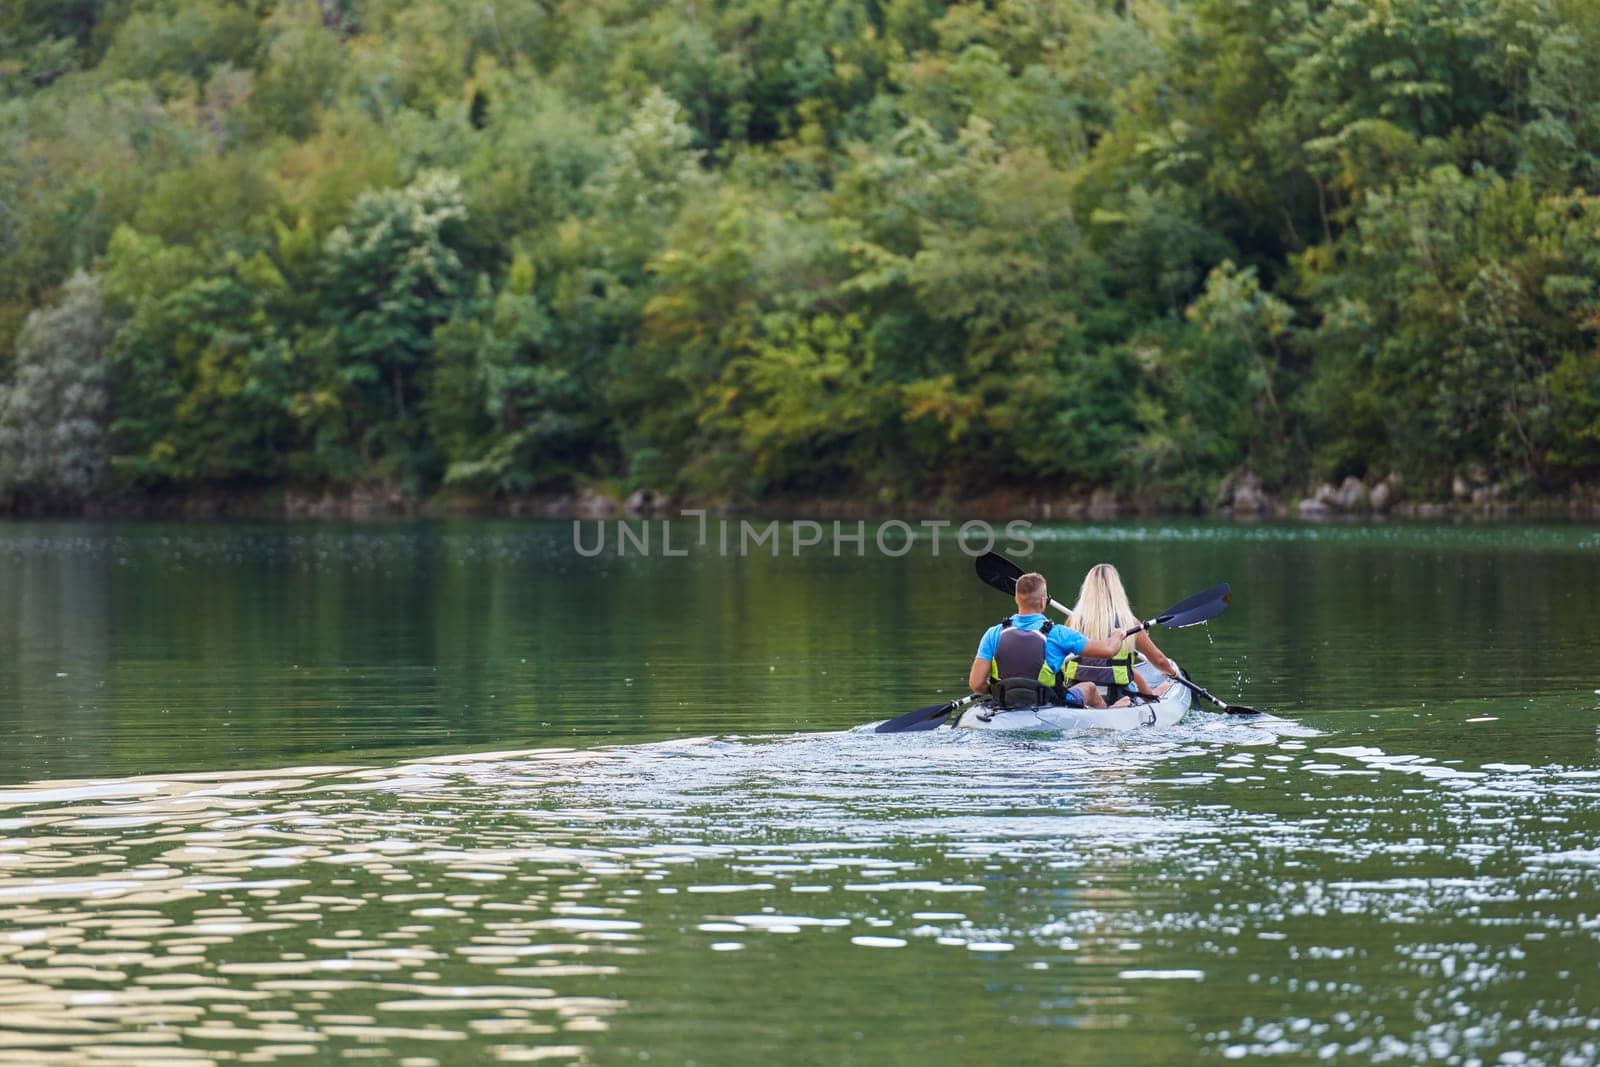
point(814, 245)
point(176, 44)
point(204, 373)
point(1233, 371)
point(1464, 306)
point(803, 409)
point(1562, 137)
point(510, 413)
point(53, 413)
point(301, 72)
point(391, 276)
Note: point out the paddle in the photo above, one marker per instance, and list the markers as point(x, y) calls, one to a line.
point(1231, 709)
point(996, 571)
point(1002, 574)
point(923, 718)
point(1202, 607)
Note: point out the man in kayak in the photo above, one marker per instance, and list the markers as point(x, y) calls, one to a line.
point(1019, 661)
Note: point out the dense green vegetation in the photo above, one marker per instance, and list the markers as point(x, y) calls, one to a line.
point(798, 246)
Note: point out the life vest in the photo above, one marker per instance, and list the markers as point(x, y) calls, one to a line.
point(1115, 674)
point(1018, 675)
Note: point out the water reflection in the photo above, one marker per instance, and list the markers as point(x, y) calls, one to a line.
point(1412, 880)
point(1325, 898)
point(133, 648)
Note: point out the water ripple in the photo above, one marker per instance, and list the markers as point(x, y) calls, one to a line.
point(523, 901)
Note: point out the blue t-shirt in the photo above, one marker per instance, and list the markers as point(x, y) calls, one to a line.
point(1062, 640)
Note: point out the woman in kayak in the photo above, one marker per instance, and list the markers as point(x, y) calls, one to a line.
point(1102, 609)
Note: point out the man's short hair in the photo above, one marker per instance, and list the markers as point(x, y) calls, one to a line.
point(1031, 587)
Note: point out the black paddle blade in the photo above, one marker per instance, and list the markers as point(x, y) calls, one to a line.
point(918, 727)
point(997, 571)
point(922, 719)
point(1222, 594)
point(1194, 616)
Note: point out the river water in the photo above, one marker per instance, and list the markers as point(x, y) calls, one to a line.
point(453, 793)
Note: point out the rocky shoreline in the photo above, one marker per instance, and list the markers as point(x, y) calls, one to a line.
point(1240, 498)
point(1473, 495)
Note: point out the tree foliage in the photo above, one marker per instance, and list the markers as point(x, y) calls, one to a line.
point(800, 247)
point(53, 413)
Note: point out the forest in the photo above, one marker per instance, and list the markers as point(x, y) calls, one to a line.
point(748, 251)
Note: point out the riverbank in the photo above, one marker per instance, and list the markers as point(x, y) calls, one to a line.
point(1241, 499)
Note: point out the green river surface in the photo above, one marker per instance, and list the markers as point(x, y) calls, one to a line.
point(448, 792)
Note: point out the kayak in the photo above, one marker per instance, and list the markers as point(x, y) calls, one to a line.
point(1162, 711)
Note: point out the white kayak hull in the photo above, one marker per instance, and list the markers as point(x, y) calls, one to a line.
point(1165, 711)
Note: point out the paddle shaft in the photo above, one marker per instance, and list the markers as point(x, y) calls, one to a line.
point(1138, 628)
point(1067, 613)
point(1200, 690)
point(1001, 574)
point(1197, 690)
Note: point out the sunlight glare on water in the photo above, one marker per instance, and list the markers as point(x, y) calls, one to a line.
point(529, 899)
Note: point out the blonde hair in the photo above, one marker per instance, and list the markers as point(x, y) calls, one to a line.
point(1102, 606)
point(1031, 588)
